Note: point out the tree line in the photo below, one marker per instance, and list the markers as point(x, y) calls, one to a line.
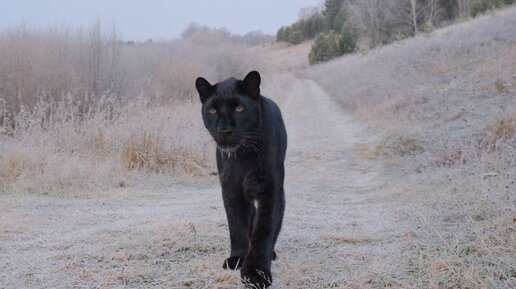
point(337, 27)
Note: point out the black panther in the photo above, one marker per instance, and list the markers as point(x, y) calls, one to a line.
point(251, 143)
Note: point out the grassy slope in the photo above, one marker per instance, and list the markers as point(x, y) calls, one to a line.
point(443, 107)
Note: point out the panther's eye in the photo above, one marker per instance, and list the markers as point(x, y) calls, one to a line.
point(212, 111)
point(239, 108)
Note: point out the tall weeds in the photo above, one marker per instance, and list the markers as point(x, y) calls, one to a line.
point(82, 109)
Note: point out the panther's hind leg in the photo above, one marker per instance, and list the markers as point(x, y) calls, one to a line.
point(278, 221)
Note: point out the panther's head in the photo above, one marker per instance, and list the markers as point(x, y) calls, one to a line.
point(231, 110)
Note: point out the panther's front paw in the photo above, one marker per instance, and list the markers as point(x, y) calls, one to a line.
point(255, 276)
point(233, 263)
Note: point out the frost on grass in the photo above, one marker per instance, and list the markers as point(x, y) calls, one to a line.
point(83, 110)
point(445, 107)
point(55, 152)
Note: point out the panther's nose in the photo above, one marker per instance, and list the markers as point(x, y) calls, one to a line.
point(225, 130)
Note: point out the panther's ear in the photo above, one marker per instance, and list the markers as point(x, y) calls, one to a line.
point(251, 84)
point(204, 88)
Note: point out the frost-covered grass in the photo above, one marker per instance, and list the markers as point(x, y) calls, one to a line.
point(444, 108)
point(84, 110)
point(55, 147)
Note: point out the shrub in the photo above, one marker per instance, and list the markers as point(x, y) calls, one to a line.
point(280, 35)
point(333, 13)
point(478, 7)
point(329, 45)
point(303, 29)
point(348, 39)
point(481, 6)
point(295, 37)
point(312, 26)
point(325, 47)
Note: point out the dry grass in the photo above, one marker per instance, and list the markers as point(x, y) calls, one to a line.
point(351, 240)
point(82, 110)
point(445, 111)
point(365, 152)
point(38, 64)
point(149, 152)
point(504, 128)
point(53, 148)
point(472, 235)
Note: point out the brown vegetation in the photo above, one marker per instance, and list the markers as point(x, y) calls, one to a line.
point(445, 108)
point(81, 108)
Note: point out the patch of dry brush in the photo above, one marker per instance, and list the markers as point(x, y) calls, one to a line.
point(84, 109)
point(55, 148)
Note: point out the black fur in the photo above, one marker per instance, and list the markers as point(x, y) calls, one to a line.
point(251, 145)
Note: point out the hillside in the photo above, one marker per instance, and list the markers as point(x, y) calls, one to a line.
point(441, 109)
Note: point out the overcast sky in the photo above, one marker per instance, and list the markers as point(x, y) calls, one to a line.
point(156, 19)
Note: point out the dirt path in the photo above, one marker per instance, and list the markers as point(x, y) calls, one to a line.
point(356, 230)
point(339, 231)
point(320, 135)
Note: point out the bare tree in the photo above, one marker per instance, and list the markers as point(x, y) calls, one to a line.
point(418, 13)
point(368, 16)
point(414, 14)
point(463, 7)
point(410, 12)
point(433, 12)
